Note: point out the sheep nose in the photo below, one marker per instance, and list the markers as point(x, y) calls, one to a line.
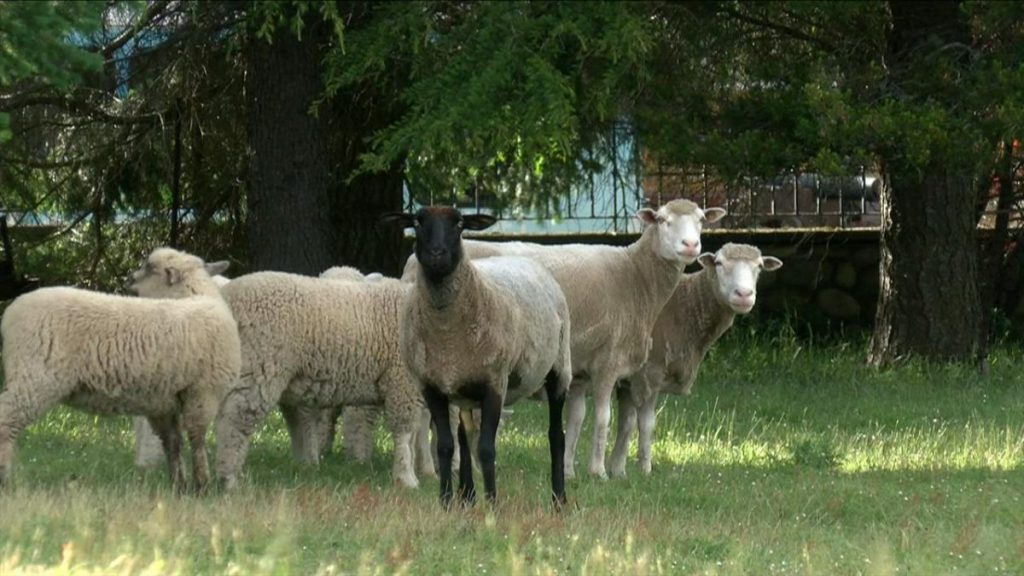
point(743, 292)
point(691, 244)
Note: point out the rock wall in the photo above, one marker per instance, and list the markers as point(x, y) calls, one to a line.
point(827, 279)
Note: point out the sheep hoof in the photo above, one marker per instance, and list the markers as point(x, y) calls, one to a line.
point(408, 481)
point(618, 472)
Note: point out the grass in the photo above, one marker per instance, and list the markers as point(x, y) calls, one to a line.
point(784, 460)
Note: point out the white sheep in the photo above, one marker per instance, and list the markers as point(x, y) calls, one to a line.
point(358, 422)
point(615, 295)
point(307, 342)
point(149, 452)
point(171, 361)
point(699, 312)
point(482, 334)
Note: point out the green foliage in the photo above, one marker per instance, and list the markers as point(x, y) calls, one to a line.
point(37, 43)
point(267, 17)
point(504, 96)
point(765, 86)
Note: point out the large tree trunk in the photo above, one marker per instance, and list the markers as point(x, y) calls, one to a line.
point(356, 113)
point(929, 303)
point(288, 201)
point(362, 242)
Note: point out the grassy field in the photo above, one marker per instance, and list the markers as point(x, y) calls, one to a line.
point(785, 460)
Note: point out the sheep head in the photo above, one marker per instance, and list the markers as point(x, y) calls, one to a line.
point(678, 227)
point(439, 236)
point(736, 268)
point(170, 273)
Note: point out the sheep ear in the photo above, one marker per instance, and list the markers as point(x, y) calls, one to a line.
point(218, 267)
point(172, 275)
point(478, 221)
point(648, 216)
point(404, 219)
point(712, 215)
point(771, 263)
point(706, 260)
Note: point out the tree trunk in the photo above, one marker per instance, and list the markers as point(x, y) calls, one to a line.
point(362, 242)
point(928, 302)
point(288, 198)
point(356, 113)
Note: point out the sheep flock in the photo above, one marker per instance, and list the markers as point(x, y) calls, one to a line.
point(470, 328)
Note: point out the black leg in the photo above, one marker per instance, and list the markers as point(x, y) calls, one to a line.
point(467, 492)
point(490, 415)
point(437, 403)
point(556, 438)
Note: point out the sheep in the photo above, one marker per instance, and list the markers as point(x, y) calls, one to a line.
point(482, 334)
point(149, 453)
point(307, 342)
point(615, 295)
point(358, 421)
point(699, 312)
point(172, 362)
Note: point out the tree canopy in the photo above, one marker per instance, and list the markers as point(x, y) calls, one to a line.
point(120, 108)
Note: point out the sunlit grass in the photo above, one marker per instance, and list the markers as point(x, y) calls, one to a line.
point(786, 459)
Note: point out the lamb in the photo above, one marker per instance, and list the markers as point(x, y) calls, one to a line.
point(148, 451)
point(171, 361)
point(358, 422)
point(699, 312)
point(482, 334)
point(311, 429)
point(307, 342)
point(615, 295)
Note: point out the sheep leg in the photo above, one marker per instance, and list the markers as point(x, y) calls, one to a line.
point(402, 411)
point(453, 419)
point(357, 427)
point(17, 411)
point(555, 389)
point(577, 400)
point(149, 452)
point(490, 417)
point(242, 411)
point(648, 415)
point(167, 428)
point(328, 430)
point(304, 429)
point(198, 412)
point(467, 490)
point(437, 403)
point(421, 446)
point(627, 423)
point(602, 419)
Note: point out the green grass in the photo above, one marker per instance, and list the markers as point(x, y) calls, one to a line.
point(784, 460)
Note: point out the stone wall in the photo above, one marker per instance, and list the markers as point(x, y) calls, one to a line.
point(828, 279)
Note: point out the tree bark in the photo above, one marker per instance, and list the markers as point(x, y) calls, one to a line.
point(288, 199)
point(356, 113)
point(929, 303)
